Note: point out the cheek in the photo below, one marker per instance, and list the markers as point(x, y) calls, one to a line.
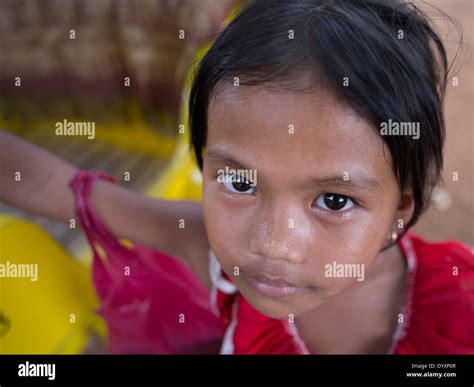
point(358, 242)
point(225, 226)
point(360, 239)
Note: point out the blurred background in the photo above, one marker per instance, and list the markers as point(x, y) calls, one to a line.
point(123, 65)
point(124, 70)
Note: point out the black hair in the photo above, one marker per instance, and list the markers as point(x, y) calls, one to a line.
point(395, 63)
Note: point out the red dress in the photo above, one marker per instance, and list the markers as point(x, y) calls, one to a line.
point(438, 308)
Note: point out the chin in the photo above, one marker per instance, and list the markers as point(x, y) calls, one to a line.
point(281, 308)
point(270, 309)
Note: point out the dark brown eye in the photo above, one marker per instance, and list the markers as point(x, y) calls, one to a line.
point(334, 202)
point(238, 184)
point(241, 186)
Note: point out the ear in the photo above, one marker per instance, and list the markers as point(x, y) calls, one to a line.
point(405, 210)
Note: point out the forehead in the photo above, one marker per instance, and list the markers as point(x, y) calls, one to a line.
point(311, 132)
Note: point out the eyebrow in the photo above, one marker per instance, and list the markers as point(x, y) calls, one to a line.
point(219, 156)
point(356, 180)
point(361, 182)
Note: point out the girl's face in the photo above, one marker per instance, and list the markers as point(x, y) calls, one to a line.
point(324, 201)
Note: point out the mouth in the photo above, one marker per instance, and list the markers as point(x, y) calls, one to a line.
point(272, 287)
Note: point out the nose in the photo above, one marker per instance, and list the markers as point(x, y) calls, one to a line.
point(279, 235)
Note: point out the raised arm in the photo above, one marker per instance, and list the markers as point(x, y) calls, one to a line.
point(37, 181)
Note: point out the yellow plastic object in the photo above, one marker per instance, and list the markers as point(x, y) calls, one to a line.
point(55, 313)
point(181, 180)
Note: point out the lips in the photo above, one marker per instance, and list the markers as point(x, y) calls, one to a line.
point(272, 287)
point(278, 283)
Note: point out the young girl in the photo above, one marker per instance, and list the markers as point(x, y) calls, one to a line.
point(318, 126)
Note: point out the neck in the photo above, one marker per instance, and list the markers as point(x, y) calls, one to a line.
point(362, 318)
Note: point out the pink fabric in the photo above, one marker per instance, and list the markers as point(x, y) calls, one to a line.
point(160, 307)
